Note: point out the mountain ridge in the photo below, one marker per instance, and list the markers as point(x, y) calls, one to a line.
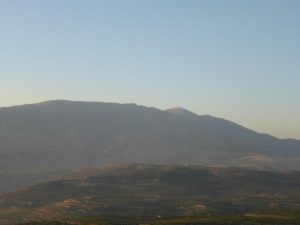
point(174, 110)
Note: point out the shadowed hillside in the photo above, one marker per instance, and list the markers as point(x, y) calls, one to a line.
point(62, 135)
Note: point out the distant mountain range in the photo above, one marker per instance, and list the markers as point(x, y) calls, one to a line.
point(65, 135)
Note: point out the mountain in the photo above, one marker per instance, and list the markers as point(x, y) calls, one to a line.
point(182, 112)
point(143, 190)
point(63, 135)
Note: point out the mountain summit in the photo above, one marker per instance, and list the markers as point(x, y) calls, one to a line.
point(179, 110)
point(182, 111)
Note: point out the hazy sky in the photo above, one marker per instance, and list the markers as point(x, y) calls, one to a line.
point(239, 60)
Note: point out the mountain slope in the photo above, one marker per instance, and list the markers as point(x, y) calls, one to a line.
point(59, 135)
point(104, 132)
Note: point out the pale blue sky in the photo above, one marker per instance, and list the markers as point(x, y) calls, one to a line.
point(233, 59)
